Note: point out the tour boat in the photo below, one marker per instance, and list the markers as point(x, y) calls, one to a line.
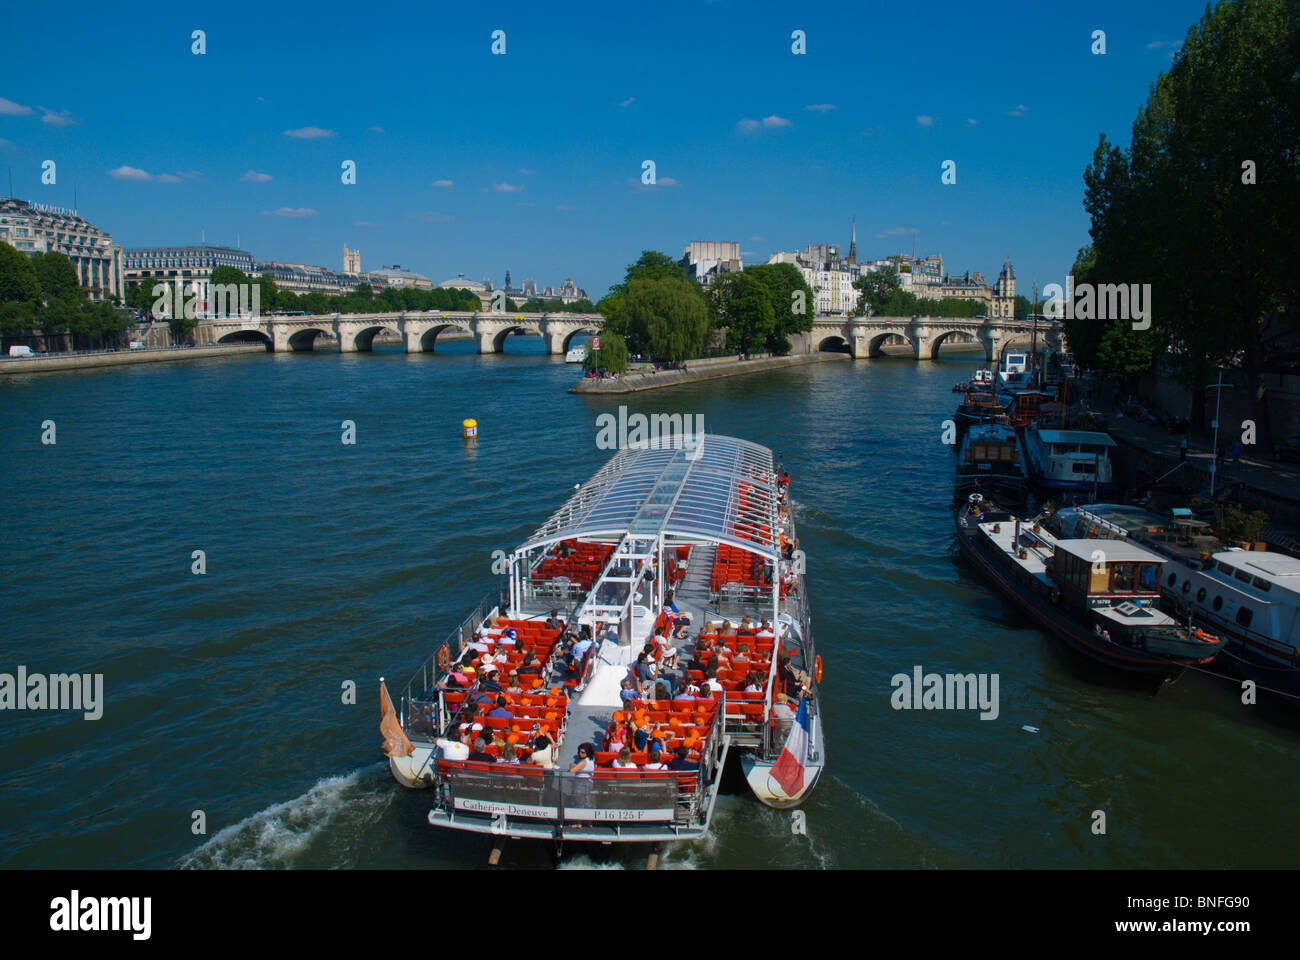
point(989, 461)
point(979, 404)
point(1069, 461)
point(1100, 596)
point(1013, 372)
point(695, 529)
point(1251, 597)
point(576, 355)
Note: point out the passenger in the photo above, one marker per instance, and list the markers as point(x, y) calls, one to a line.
point(509, 637)
point(753, 684)
point(554, 622)
point(646, 672)
point(534, 666)
point(480, 754)
point(781, 709)
point(509, 754)
point(789, 679)
point(655, 760)
point(629, 691)
point(585, 763)
point(765, 630)
point(624, 760)
point(711, 683)
point(500, 709)
point(640, 733)
point(618, 735)
point(453, 746)
point(543, 750)
point(679, 618)
point(512, 683)
point(681, 761)
point(578, 651)
point(489, 683)
point(744, 624)
point(662, 692)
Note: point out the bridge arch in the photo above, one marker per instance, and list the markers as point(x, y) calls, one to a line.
point(429, 339)
point(364, 340)
point(962, 336)
point(567, 343)
point(247, 336)
point(875, 345)
point(500, 337)
point(833, 344)
point(1019, 340)
point(304, 340)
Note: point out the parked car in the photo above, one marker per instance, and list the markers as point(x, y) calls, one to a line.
point(19, 350)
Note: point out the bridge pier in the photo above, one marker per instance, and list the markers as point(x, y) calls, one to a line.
point(485, 341)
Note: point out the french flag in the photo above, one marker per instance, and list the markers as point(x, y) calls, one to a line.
point(789, 767)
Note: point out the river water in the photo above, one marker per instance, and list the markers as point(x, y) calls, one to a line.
point(328, 563)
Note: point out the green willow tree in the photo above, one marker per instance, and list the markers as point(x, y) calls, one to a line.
point(611, 356)
point(743, 306)
point(793, 302)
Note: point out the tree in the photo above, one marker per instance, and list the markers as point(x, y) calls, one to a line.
point(876, 289)
point(611, 356)
point(1202, 204)
point(57, 276)
point(18, 280)
point(666, 318)
point(793, 314)
point(743, 306)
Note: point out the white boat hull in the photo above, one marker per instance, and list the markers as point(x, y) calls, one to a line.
point(758, 773)
point(406, 769)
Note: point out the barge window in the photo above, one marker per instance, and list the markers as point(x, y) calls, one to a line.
point(1122, 579)
point(1149, 575)
point(1200, 595)
point(1243, 576)
point(1218, 603)
point(1187, 585)
point(1244, 615)
point(1261, 583)
point(1173, 578)
point(1224, 568)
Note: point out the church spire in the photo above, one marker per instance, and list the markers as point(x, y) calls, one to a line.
point(853, 243)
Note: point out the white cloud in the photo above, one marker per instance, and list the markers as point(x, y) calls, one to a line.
point(506, 188)
point(309, 133)
point(1018, 112)
point(748, 124)
point(526, 172)
point(136, 175)
point(925, 120)
point(376, 129)
point(252, 176)
point(897, 232)
point(363, 223)
point(1161, 44)
point(443, 183)
point(627, 102)
point(820, 107)
point(10, 109)
point(291, 212)
point(564, 208)
point(525, 203)
point(6, 143)
point(62, 118)
point(130, 173)
point(429, 216)
point(972, 122)
point(775, 121)
point(667, 182)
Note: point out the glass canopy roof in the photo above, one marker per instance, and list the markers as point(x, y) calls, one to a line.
point(702, 487)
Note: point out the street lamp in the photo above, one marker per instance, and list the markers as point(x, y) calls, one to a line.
point(1214, 454)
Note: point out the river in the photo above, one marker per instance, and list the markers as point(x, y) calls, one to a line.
point(329, 562)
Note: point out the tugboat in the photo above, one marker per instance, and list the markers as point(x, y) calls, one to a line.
point(1099, 596)
point(681, 551)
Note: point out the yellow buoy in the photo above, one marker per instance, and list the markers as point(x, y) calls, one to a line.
point(470, 428)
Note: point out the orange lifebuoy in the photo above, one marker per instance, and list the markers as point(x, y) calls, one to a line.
point(1205, 637)
point(817, 668)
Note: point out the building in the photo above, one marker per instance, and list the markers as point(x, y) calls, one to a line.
point(706, 260)
point(395, 276)
point(828, 274)
point(351, 261)
point(303, 278)
point(998, 300)
point(192, 265)
point(36, 228)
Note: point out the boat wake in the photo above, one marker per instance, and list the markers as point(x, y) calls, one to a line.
point(284, 834)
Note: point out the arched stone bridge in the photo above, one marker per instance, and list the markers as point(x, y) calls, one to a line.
point(863, 337)
point(418, 329)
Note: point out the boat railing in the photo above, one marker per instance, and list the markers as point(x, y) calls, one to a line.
point(420, 706)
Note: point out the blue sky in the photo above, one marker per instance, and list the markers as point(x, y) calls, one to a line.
point(473, 163)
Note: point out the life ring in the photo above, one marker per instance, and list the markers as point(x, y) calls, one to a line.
point(817, 668)
point(1205, 637)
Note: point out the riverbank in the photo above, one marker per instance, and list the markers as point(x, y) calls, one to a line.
point(48, 363)
point(697, 370)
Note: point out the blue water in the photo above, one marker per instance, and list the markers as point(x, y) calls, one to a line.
point(329, 563)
